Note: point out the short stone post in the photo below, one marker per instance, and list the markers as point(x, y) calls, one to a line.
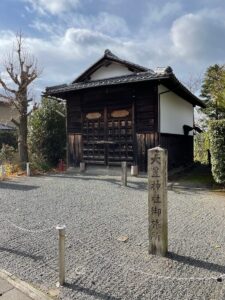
point(11, 169)
point(134, 170)
point(2, 172)
point(157, 201)
point(82, 167)
point(28, 168)
point(61, 230)
point(124, 173)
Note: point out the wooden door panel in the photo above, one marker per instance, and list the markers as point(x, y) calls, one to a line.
point(120, 131)
point(108, 136)
point(93, 132)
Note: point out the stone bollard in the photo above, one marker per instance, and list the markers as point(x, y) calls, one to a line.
point(2, 172)
point(157, 201)
point(134, 170)
point(61, 230)
point(28, 168)
point(124, 173)
point(82, 167)
point(11, 169)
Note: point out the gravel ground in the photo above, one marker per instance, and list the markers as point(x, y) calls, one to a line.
point(97, 210)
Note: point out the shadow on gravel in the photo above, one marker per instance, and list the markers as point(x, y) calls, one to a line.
point(130, 184)
point(186, 190)
point(17, 186)
point(21, 253)
point(87, 291)
point(196, 262)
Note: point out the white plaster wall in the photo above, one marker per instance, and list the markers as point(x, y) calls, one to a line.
point(174, 112)
point(7, 113)
point(112, 70)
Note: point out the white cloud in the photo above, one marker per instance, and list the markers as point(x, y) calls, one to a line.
point(109, 23)
point(192, 43)
point(103, 22)
point(157, 13)
point(54, 7)
point(199, 37)
point(65, 57)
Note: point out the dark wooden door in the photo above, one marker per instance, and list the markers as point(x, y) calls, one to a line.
point(120, 136)
point(94, 150)
point(108, 136)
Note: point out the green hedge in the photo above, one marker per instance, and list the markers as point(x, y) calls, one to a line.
point(8, 137)
point(217, 149)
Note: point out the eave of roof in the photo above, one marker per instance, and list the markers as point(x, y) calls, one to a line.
point(136, 77)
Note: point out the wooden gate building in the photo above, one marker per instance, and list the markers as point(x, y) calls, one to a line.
point(117, 110)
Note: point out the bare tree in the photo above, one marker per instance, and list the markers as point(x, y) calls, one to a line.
point(21, 69)
point(193, 82)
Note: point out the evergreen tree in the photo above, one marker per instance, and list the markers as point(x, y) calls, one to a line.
point(47, 132)
point(213, 92)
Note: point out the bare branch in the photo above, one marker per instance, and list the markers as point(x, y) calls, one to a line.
point(6, 88)
point(4, 97)
point(193, 82)
point(13, 76)
point(19, 50)
point(15, 122)
point(60, 113)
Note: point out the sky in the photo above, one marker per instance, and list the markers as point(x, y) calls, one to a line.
point(67, 36)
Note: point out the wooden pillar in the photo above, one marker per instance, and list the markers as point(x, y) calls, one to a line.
point(157, 201)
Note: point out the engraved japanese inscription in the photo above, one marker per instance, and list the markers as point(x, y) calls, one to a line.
point(157, 201)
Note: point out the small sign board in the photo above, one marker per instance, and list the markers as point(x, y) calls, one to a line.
point(120, 113)
point(93, 116)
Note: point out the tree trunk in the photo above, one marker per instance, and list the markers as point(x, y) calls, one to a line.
point(22, 139)
point(22, 136)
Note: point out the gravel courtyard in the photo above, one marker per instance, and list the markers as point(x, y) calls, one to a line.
point(97, 210)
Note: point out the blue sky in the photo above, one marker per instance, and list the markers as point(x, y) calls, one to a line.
point(68, 35)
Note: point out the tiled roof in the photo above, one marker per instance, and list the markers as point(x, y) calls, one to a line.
point(136, 77)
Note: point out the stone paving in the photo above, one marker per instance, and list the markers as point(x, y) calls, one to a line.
point(98, 213)
point(8, 291)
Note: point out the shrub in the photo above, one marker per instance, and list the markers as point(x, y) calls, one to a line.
point(47, 134)
point(217, 149)
point(39, 163)
point(7, 153)
point(201, 147)
point(8, 137)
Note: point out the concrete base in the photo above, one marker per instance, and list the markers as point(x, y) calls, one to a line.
point(134, 170)
point(82, 167)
